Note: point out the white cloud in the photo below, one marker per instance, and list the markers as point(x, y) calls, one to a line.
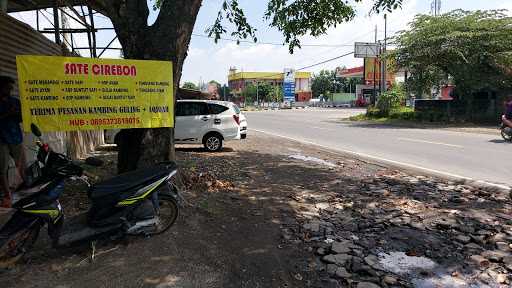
point(507, 5)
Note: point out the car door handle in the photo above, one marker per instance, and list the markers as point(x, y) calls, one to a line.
point(205, 118)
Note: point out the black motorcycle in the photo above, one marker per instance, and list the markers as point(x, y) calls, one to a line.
point(142, 202)
point(506, 132)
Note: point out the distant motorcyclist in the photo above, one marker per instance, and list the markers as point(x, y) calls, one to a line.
point(507, 117)
point(11, 137)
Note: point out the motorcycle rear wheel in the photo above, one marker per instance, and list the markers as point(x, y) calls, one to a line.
point(168, 212)
point(17, 246)
point(506, 136)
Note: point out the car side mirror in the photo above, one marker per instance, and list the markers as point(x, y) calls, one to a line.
point(35, 130)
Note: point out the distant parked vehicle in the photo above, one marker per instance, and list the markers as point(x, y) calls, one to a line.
point(206, 122)
point(314, 100)
point(361, 102)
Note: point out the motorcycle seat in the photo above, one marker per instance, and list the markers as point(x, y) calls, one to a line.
point(130, 180)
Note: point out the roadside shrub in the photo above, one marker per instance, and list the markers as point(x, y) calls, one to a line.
point(403, 113)
point(400, 113)
point(391, 99)
point(373, 112)
point(360, 117)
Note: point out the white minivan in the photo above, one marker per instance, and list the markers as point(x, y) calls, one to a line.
point(206, 122)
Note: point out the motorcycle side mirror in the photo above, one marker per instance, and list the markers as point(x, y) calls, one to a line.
point(35, 130)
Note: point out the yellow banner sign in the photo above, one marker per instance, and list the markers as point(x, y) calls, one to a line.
point(372, 70)
point(71, 93)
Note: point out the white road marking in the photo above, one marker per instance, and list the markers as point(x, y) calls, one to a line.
point(430, 142)
point(322, 128)
point(393, 162)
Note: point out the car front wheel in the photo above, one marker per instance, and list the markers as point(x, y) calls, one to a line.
point(213, 143)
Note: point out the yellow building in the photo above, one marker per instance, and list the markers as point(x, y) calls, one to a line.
point(239, 80)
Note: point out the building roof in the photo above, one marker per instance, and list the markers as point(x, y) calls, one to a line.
point(356, 72)
point(28, 5)
point(266, 75)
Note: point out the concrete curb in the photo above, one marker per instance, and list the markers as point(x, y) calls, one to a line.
point(488, 186)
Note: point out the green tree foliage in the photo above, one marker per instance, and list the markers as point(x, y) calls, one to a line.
point(326, 82)
point(189, 85)
point(225, 92)
point(293, 18)
point(349, 84)
point(472, 48)
point(249, 93)
point(214, 87)
point(323, 83)
point(215, 83)
point(263, 92)
point(276, 94)
point(391, 99)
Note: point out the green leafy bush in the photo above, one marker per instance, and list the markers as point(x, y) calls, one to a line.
point(373, 112)
point(403, 113)
point(391, 99)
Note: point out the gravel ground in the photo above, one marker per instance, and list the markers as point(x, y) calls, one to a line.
point(268, 212)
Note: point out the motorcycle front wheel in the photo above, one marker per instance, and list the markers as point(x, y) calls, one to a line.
point(167, 211)
point(18, 244)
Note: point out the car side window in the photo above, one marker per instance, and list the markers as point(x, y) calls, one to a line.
point(179, 108)
point(191, 109)
point(216, 109)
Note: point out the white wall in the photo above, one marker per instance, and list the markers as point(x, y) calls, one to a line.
point(302, 85)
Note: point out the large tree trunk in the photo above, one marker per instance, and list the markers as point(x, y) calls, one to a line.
point(167, 39)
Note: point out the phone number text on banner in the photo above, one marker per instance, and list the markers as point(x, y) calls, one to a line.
point(71, 93)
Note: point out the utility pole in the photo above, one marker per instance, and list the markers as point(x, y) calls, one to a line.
point(383, 59)
point(374, 94)
point(257, 92)
point(435, 8)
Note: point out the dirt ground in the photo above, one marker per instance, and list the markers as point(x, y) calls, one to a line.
point(230, 233)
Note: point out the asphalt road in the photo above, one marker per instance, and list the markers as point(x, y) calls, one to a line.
point(480, 157)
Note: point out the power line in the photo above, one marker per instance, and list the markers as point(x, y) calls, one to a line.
point(270, 43)
point(329, 50)
point(348, 45)
point(310, 66)
point(325, 61)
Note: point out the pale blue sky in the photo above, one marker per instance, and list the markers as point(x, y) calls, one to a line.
point(210, 61)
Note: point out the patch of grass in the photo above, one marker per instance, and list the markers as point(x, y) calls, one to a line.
point(360, 117)
point(375, 115)
point(403, 113)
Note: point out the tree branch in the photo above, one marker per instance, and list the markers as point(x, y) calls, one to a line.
point(172, 31)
